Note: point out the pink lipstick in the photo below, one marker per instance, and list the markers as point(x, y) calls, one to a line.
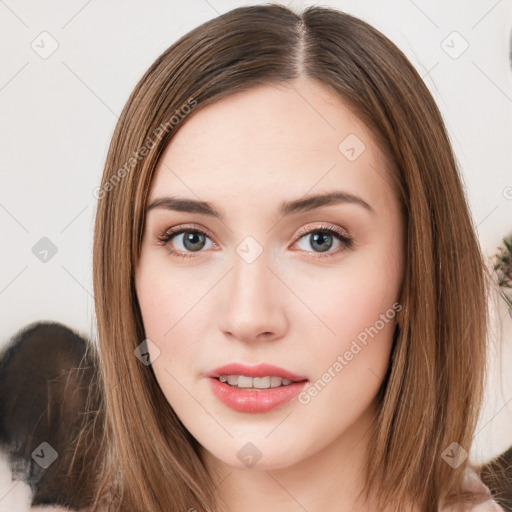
point(254, 389)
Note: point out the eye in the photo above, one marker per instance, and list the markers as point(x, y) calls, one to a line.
point(321, 239)
point(194, 240)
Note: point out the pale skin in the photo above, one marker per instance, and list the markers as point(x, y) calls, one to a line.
point(246, 154)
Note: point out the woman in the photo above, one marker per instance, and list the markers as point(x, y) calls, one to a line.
point(290, 296)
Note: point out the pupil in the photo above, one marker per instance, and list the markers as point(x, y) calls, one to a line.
point(320, 238)
point(190, 241)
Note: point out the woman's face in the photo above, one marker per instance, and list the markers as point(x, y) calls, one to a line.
point(311, 287)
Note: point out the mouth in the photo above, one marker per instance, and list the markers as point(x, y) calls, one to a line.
point(255, 389)
point(246, 382)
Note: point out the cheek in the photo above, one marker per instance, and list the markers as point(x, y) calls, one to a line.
point(171, 305)
point(356, 308)
point(349, 300)
point(353, 356)
point(359, 339)
point(165, 295)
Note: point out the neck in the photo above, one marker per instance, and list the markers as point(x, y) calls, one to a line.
point(330, 480)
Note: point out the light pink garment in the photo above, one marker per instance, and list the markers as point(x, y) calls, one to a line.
point(49, 508)
point(471, 483)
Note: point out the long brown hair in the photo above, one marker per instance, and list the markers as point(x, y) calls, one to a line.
point(148, 460)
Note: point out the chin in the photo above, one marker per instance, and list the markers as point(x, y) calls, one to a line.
point(256, 455)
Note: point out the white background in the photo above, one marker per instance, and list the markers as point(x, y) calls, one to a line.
point(58, 114)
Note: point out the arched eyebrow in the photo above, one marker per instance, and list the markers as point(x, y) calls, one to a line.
point(303, 204)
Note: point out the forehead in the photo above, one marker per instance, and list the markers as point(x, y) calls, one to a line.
point(272, 142)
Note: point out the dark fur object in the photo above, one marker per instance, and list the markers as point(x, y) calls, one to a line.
point(45, 375)
point(497, 475)
point(46, 372)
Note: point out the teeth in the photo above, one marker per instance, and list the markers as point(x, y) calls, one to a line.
point(242, 381)
point(233, 380)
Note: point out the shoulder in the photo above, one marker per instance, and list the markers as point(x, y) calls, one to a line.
point(473, 486)
point(53, 508)
point(473, 483)
point(49, 508)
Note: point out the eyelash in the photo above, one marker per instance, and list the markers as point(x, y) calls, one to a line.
point(167, 235)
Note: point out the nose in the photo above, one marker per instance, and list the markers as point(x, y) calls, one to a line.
point(253, 302)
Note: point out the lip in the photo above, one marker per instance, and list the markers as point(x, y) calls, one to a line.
point(255, 401)
point(260, 370)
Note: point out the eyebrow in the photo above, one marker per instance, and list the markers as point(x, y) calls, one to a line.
point(304, 204)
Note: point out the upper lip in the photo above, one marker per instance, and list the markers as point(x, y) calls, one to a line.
point(260, 370)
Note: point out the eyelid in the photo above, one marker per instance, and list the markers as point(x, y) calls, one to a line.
point(327, 227)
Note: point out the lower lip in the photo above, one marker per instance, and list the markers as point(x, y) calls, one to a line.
point(254, 400)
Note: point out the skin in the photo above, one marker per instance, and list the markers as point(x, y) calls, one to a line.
point(246, 154)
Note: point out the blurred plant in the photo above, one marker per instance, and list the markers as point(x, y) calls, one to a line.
point(503, 269)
